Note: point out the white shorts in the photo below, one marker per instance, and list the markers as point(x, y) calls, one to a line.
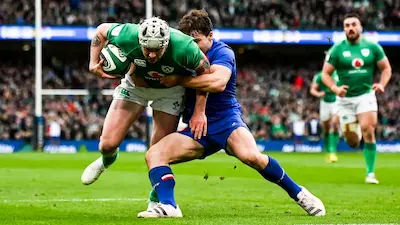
point(168, 100)
point(327, 110)
point(350, 107)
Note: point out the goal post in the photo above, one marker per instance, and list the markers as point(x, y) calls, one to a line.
point(38, 134)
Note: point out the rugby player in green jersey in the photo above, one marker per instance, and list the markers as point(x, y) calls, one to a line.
point(356, 59)
point(156, 51)
point(328, 114)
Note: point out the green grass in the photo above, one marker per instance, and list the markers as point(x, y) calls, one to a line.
point(229, 196)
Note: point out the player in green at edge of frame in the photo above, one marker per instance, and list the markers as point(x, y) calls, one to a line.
point(355, 60)
point(156, 50)
point(328, 115)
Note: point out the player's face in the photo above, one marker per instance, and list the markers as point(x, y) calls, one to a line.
point(203, 41)
point(352, 28)
point(153, 55)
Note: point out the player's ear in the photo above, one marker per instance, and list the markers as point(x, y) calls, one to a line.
point(210, 36)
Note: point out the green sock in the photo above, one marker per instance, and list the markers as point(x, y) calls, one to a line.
point(153, 196)
point(108, 160)
point(326, 142)
point(332, 143)
point(337, 138)
point(370, 156)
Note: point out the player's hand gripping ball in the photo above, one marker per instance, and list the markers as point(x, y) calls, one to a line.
point(115, 62)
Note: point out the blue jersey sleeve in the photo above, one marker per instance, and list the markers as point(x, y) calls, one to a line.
point(224, 57)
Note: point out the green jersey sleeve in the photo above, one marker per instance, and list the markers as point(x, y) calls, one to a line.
point(378, 52)
point(317, 79)
point(125, 36)
point(332, 57)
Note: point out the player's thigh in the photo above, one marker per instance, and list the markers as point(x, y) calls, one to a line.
point(242, 145)
point(173, 148)
point(367, 111)
point(168, 100)
point(324, 111)
point(120, 116)
point(163, 124)
point(348, 120)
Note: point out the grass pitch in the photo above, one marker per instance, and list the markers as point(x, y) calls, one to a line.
point(38, 188)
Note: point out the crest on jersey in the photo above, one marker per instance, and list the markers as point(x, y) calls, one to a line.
point(155, 75)
point(139, 62)
point(167, 69)
point(357, 63)
point(365, 52)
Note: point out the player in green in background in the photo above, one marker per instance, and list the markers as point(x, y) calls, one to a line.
point(328, 114)
point(356, 59)
point(156, 51)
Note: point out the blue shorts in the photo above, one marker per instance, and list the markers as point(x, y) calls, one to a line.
point(218, 132)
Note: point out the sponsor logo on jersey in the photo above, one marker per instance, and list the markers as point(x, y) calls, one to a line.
point(346, 54)
point(139, 62)
point(365, 52)
point(167, 69)
point(155, 75)
point(357, 63)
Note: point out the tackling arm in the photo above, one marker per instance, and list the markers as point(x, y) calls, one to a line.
point(214, 81)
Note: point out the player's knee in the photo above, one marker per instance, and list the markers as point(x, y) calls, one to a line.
point(154, 156)
point(254, 160)
point(108, 145)
point(368, 132)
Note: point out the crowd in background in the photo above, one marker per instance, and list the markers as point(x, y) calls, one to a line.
point(279, 14)
point(275, 100)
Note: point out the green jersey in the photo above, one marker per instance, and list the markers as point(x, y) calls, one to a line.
point(330, 96)
point(355, 64)
point(181, 57)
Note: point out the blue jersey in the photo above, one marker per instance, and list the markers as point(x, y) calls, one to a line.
point(222, 103)
point(223, 111)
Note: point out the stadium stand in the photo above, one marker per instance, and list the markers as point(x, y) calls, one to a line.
point(279, 14)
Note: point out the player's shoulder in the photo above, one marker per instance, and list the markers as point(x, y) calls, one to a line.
point(181, 43)
point(338, 45)
point(178, 38)
point(120, 29)
point(375, 46)
point(223, 48)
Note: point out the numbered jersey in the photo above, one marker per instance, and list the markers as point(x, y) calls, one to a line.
point(330, 96)
point(181, 57)
point(355, 64)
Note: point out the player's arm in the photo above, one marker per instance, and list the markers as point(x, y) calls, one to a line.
point(97, 44)
point(327, 71)
point(217, 78)
point(198, 122)
point(213, 82)
point(385, 68)
point(314, 89)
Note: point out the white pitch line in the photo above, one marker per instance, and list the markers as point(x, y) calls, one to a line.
point(76, 200)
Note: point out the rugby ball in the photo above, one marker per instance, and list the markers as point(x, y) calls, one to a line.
point(115, 62)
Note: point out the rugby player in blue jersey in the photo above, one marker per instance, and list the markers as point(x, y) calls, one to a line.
point(226, 129)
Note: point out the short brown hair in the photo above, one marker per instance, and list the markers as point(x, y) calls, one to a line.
point(352, 14)
point(196, 20)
